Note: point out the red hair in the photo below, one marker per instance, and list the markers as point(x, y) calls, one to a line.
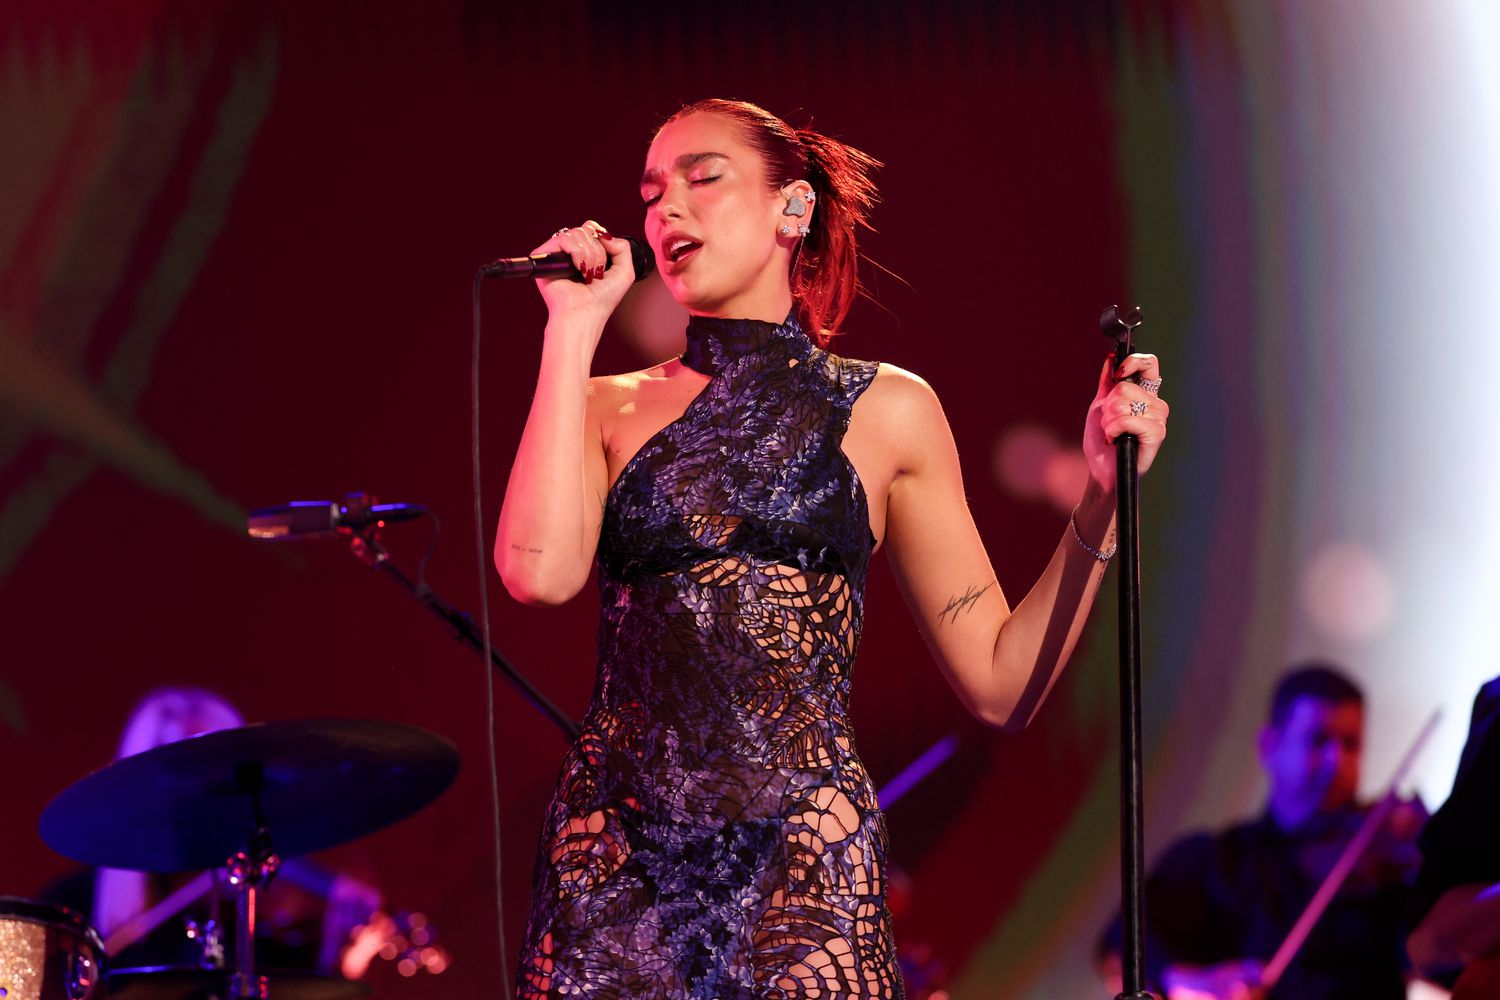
point(824, 272)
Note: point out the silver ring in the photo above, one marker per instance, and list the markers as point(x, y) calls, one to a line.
point(564, 229)
point(1151, 385)
point(1139, 407)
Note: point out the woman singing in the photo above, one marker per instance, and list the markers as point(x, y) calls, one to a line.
point(713, 833)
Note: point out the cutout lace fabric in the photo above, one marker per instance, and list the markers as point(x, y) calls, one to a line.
point(713, 834)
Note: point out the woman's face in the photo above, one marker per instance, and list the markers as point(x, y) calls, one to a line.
point(712, 219)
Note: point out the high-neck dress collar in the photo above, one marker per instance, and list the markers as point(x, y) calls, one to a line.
point(713, 344)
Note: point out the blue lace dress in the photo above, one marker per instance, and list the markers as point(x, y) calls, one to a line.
point(713, 834)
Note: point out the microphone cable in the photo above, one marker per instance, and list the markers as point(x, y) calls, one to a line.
point(484, 623)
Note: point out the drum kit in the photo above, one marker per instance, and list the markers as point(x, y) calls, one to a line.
point(236, 800)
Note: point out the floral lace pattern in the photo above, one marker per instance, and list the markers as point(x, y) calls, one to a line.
point(713, 834)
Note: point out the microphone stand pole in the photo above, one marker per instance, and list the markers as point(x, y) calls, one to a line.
point(1121, 326)
point(365, 544)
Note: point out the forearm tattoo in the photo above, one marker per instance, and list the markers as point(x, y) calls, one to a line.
point(962, 603)
point(526, 548)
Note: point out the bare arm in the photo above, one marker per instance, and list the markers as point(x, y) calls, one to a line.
point(1001, 662)
point(554, 500)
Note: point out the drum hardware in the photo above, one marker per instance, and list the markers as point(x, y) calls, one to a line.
point(171, 982)
point(138, 926)
point(47, 953)
point(211, 942)
point(247, 873)
point(187, 805)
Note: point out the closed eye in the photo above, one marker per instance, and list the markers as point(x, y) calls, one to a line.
point(697, 181)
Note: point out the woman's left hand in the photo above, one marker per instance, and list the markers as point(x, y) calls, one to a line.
point(1122, 407)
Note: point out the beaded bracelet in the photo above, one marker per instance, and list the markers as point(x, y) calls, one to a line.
point(1103, 557)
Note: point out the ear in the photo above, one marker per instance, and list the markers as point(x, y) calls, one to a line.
point(1265, 742)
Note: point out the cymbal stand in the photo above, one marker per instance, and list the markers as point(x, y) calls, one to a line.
point(248, 872)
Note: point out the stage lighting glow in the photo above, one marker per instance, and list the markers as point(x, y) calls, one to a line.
point(1347, 593)
point(1065, 477)
point(1020, 457)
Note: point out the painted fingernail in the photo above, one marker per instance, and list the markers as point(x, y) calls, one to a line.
point(599, 271)
point(604, 234)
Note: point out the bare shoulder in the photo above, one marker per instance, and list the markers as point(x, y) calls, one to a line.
point(611, 394)
point(903, 402)
point(898, 389)
point(901, 409)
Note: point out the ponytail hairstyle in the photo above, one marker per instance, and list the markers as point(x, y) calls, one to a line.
point(824, 271)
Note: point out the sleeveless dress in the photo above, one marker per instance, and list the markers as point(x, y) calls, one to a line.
point(713, 834)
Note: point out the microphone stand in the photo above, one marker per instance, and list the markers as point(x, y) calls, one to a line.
point(366, 546)
point(1121, 326)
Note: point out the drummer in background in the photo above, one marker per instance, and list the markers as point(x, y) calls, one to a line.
point(112, 897)
point(1458, 888)
point(1218, 906)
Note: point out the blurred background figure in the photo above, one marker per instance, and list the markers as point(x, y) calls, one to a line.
point(1218, 906)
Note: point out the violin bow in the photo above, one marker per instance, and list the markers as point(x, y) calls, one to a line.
point(1345, 863)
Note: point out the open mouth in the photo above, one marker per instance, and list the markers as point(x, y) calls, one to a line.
point(680, 249)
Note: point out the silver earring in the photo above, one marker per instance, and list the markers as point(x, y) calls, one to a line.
point(802, 230)
point(795, 205)
point(786, 230)
point(811, 197)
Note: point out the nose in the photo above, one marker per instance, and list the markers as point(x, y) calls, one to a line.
point(669, 206)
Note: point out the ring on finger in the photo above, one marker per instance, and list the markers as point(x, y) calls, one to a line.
point(564, 229)
point(1138, 407)
point(1151, 385)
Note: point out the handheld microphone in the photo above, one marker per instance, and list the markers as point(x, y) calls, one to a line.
point(312, 518)
point(559, 265)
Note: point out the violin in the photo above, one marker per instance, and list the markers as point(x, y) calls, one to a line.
point(1391, 855)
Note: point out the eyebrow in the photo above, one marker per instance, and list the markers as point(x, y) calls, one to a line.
point(681, 163)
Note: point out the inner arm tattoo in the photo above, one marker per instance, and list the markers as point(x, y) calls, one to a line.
point(962, 603)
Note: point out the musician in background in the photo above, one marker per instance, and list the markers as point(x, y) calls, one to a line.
point(1218, 906)
point(1458, 888)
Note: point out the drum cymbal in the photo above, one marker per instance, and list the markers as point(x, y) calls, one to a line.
point(169, 982)
point(189, 805)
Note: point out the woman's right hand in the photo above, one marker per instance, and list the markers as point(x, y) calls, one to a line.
point(595, 295)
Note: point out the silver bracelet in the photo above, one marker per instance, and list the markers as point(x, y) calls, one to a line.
point(1103, 557)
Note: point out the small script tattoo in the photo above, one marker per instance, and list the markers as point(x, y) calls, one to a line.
point(526, 548)
point(965, 602)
